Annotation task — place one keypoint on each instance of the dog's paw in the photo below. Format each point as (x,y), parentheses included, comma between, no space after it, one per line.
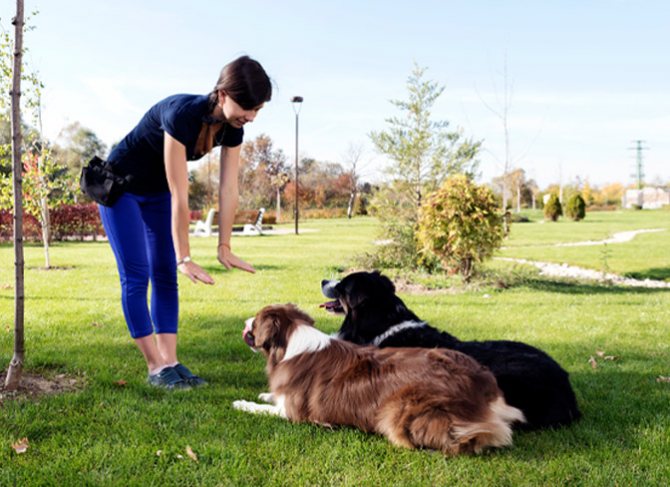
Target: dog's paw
(266,397)
(246,406)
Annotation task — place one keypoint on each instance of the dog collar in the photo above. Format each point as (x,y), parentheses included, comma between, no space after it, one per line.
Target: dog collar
(395,329)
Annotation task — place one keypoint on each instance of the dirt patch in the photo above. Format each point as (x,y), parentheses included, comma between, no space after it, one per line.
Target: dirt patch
(34,386)
(404,286)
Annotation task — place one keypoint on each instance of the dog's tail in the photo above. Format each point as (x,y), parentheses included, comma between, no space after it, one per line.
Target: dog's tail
(426,421)
(494,431)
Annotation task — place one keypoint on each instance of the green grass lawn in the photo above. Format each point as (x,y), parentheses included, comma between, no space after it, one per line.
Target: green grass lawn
(105,434)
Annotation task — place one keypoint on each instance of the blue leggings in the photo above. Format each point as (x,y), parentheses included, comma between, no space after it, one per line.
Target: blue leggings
(139,231)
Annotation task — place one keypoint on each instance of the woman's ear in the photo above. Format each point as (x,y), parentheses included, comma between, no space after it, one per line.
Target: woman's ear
(221,97)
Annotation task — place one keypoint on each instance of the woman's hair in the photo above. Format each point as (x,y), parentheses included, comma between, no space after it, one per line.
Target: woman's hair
(245,81)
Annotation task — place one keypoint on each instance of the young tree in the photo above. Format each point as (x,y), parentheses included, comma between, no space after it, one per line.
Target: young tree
(502,112)
(422,153)
(352,160)
(15,369)
(46,186)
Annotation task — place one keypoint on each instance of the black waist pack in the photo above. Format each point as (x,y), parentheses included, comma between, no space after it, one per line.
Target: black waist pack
(100,183)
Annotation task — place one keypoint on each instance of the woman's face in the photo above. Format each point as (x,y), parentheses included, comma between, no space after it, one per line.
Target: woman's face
(234,114)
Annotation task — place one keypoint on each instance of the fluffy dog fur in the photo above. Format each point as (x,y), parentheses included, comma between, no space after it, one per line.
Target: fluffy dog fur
(417,398)
(529,378)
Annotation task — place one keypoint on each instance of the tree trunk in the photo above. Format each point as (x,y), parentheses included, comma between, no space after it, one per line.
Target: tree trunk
(466,269)
(45,221)
(350,206)
(518,199)
(13,379)
(278,205)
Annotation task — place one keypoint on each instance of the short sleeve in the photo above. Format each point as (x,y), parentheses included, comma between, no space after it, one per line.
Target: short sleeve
(175,122)
(232,137)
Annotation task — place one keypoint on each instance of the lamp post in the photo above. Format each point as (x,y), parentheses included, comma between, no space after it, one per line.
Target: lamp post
(296,100)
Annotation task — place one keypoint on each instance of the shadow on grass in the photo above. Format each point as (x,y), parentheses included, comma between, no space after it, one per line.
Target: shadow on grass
(658,274)
(616,408)
(566,287)
(219,269)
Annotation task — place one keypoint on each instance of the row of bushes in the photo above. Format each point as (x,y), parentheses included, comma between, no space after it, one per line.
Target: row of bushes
(68,222)
(575,208)
(82,221)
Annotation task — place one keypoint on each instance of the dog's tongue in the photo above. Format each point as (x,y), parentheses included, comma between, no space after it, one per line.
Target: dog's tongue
(247,328)
(247,334)
(333,307)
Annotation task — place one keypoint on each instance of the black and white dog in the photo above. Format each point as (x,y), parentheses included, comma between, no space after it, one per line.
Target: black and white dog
(529,378)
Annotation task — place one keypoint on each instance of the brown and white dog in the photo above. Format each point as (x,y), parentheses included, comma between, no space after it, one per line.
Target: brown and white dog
(416,397)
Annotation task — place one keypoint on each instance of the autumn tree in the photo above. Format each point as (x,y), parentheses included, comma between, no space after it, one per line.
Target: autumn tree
(263,173)
(45,187)
(76,145)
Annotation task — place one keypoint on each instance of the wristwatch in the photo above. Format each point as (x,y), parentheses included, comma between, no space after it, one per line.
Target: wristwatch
(184,260)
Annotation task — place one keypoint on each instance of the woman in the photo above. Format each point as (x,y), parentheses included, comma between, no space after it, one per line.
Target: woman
(148,227)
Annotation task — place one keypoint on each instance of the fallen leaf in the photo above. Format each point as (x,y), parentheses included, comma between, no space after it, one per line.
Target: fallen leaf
(159,453)
(600,353)
(120,383)
(7,328)
(662,378)
(191,454)
(96,324)
(593,363)
(180,457)
(611,357)
(21,446)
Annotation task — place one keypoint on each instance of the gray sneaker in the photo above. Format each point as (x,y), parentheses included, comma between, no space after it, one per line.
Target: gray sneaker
(188,376)
(168,378)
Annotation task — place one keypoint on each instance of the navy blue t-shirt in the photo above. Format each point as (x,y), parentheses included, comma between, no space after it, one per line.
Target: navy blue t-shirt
(141,152)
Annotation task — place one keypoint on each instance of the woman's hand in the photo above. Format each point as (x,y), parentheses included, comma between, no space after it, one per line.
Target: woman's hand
(194,272)
(229,260)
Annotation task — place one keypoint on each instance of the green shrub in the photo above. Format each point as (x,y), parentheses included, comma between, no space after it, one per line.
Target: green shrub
(461,225)
(553,209)
(576,208)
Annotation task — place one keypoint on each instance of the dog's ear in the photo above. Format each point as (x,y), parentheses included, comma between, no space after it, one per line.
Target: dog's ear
(385,282)
(267,325)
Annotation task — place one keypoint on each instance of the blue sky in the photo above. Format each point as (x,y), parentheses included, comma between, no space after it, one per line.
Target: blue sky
(588,77)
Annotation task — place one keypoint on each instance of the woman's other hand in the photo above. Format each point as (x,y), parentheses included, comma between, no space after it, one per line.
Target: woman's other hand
(230,260)
(194,272)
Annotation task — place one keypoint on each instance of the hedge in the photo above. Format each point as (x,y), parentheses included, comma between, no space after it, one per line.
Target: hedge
(68,222)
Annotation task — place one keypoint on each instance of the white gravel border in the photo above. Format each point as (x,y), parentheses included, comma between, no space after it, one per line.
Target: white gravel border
(565,270)
(619,237)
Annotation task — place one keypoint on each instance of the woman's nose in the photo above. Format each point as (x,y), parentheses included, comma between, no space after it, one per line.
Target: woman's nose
(250,115)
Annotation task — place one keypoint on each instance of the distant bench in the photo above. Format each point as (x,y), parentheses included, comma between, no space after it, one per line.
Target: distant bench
(203,228)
